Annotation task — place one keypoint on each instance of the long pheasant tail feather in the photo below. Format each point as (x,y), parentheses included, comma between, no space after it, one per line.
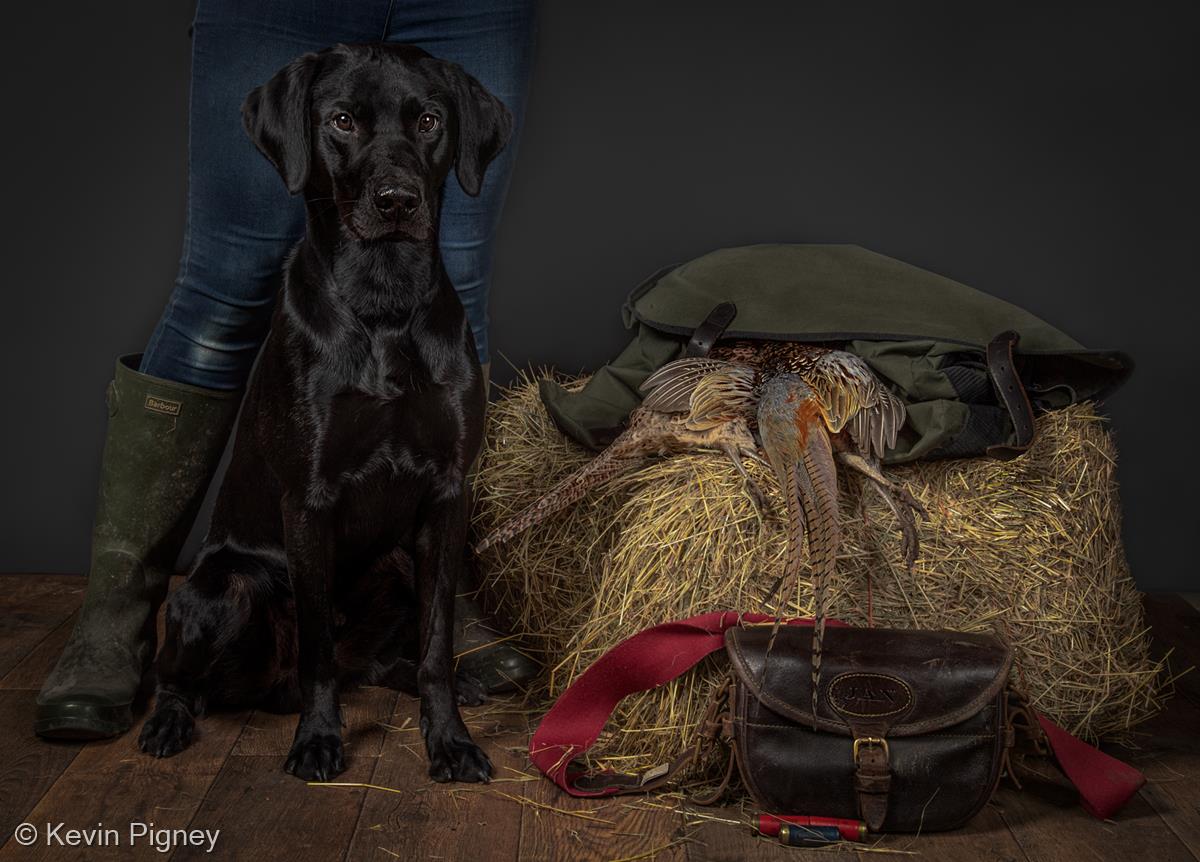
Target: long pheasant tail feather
(797,520)
(620,457)
(819,495)
(797,524)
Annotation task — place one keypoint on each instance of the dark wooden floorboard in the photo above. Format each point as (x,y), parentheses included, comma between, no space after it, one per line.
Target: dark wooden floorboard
(28,765)
(31,606)
(32,670)
(557,827)
(1167,748)
(232,780)
(1168,752)
(986,838)
(112,782)
(261,809)
(109,781)
(410,816)
(1056,829)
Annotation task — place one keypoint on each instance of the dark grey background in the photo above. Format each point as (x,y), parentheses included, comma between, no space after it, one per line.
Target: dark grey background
(1044,154)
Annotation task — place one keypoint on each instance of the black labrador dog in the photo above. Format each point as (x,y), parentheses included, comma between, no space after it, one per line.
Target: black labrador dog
(340,529)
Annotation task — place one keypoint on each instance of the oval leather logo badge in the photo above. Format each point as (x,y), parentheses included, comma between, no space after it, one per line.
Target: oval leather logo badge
(869,694)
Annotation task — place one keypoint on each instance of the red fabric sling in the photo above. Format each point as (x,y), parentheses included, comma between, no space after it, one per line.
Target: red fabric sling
(661,653)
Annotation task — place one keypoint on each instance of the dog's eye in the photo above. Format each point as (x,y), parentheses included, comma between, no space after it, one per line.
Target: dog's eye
(343,122)
(427,122)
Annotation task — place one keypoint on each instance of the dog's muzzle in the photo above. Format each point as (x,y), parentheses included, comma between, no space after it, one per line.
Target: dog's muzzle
(396,200)
(391,207)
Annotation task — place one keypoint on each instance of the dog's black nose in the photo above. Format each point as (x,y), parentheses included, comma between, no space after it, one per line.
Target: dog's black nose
(392,198)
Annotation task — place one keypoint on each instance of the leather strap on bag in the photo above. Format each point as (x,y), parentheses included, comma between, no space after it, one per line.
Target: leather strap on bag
(661,653)
(711,329)
(649,659)
(872,780)
(1002,369)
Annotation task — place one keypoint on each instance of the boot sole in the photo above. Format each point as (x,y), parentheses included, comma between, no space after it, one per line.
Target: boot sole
(82,721)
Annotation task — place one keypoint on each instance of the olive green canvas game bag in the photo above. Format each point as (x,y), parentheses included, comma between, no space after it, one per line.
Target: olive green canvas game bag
(970,368)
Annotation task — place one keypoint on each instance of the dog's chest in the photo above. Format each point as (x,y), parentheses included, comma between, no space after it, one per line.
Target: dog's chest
(391,423)
(389,367)
(382,458)
(414,426)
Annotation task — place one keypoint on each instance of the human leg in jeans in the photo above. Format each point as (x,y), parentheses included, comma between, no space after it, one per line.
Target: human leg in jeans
(170,412)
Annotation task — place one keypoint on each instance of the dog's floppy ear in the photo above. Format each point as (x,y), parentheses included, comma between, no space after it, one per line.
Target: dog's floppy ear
(484,126)
(276,118)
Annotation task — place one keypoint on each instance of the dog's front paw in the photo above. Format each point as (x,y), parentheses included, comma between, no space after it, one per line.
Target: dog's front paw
(316,757)
(454,757)
(168,731)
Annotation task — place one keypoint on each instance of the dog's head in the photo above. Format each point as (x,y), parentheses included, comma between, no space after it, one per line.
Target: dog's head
(375,129)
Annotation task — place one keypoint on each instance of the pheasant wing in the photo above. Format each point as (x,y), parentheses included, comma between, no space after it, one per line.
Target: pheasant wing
(852,397)
(711,391)
(669,389)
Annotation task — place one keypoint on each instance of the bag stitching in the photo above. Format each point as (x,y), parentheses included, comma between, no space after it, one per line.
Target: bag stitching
(912,729)
(912,700)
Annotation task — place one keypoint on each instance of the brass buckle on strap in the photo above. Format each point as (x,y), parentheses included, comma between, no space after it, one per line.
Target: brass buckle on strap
(871,740)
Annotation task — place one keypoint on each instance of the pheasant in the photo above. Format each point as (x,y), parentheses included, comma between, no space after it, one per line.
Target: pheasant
(811,407)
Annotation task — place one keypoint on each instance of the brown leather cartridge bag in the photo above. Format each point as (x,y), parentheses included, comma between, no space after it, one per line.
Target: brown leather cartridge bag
(910,734)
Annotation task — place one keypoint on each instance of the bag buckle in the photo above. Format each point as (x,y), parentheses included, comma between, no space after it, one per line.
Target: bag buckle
(871,740)
(872,781)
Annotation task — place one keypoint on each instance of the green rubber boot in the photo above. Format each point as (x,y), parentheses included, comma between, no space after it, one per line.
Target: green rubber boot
(481,649)
(484,652)
(163,445)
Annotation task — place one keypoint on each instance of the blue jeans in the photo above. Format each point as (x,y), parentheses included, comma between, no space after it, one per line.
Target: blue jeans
(241,222)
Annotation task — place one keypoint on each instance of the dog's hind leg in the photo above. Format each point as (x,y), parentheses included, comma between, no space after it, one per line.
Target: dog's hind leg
(205,618)
(441,537)
(387,601)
